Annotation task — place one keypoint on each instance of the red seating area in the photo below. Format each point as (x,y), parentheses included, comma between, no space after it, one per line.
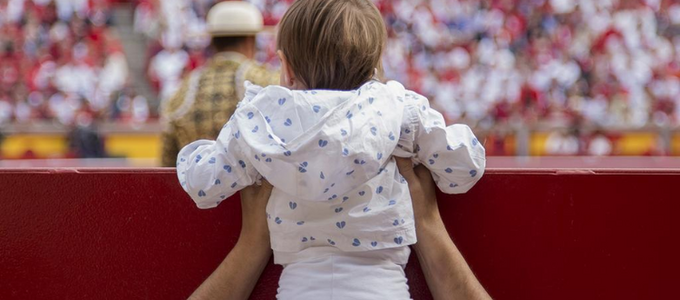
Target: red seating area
(128,234)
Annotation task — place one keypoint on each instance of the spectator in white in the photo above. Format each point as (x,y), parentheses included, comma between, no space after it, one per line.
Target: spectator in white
(562,142)
(76,76)
(599,145)
(168,66)
(113,77)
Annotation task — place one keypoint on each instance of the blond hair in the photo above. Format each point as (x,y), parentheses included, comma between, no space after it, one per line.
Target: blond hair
(333,44)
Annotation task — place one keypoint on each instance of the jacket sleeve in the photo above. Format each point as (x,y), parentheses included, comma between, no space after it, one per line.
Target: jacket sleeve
(211,171)
(453,154)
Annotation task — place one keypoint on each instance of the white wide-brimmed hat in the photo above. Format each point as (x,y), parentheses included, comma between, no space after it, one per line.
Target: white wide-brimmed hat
(234,18)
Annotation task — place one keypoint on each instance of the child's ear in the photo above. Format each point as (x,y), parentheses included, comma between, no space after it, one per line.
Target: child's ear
(287,76)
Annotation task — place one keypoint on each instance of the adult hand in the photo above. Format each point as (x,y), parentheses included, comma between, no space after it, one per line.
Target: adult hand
(447,274)
(237,275)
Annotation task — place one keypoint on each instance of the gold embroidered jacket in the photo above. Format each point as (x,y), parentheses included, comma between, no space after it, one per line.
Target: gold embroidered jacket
(206,100)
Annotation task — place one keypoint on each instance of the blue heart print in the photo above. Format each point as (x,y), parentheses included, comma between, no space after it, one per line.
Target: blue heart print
(398,240)
(370,100)
(448,147)
(198,158)
(331,242)
(292,205)
(322,176)
(218,182)
(374,243)
(242,163)
(201,193)
(337,210)
(182,159)
(250,115)
(395,223)
(349,173)
(233,185)
(300,223)
(366,209)
(379,156)
(448,170)
(379,190)
(268,119)
(359,162)
(431,161)
(473,173)
(345,199)
(345,152)
(360,106)
(288,122)
(303,167)
(435,155)
(268,159)
(424,108)
(391,136)
(287,153)
(475,142)
(362,193)
(212,160)
(343,132)
(257,157)
(278,220)
(326,190)
(349,115)
(323,143)
(316,108)
(374,131)
(340,225)
(282,101)
(227,168)
(356,243)
(304,239)
(237,134)
(256,129)
(392,202)
(453,185)
(311,238)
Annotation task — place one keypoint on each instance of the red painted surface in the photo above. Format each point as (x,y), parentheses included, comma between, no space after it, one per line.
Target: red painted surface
(134,234)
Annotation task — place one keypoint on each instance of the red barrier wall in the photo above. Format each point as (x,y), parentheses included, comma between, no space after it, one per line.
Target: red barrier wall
(134,234)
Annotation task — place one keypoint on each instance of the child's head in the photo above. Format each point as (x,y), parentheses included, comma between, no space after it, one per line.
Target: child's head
(330,44)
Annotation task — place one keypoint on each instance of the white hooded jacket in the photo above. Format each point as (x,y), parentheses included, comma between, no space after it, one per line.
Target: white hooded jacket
(329,156)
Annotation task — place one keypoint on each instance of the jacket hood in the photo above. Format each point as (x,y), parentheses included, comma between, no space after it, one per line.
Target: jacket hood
(318,145)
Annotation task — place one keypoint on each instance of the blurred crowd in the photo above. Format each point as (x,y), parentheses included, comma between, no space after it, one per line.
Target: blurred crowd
(62,61)
(489,63)
(493,64)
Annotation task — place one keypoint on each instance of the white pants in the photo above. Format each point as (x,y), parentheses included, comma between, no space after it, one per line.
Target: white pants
(340,277)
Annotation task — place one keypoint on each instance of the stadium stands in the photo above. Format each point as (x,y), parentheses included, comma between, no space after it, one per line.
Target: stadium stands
(601,63)
(553,77)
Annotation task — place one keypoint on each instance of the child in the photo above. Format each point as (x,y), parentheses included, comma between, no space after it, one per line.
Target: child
(339,215)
